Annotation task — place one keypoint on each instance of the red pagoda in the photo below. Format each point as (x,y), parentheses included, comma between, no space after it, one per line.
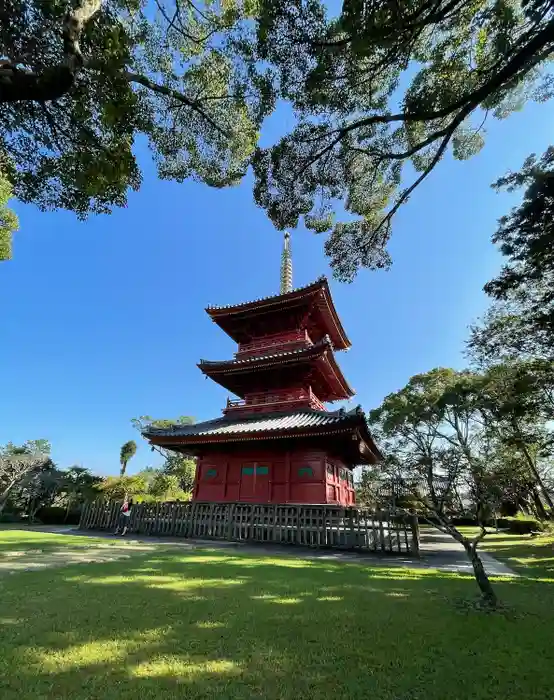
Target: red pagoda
(277,443)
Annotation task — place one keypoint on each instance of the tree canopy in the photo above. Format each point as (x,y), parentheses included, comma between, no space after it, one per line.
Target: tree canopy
(382,85)
(466,442)
(175,465)
(127,452)
(20,462)
(81,79)
(520,322)
(377,87)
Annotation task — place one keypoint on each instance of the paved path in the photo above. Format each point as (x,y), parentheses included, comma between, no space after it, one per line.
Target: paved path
(438,551)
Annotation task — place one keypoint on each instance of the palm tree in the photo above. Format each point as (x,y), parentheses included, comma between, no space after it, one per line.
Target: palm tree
(127,452)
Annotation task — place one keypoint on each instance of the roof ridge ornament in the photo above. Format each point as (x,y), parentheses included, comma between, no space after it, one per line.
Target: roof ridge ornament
(286,266)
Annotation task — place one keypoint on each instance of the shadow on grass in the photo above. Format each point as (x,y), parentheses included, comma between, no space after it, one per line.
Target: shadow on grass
(21,539)
(209,624)
(529,556)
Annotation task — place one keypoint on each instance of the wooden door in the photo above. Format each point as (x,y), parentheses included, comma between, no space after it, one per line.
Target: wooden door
(254,482)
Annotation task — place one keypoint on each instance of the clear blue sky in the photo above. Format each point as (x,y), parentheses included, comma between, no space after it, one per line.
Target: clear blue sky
(104,320)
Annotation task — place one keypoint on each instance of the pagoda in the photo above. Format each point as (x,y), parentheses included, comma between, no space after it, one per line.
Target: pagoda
(277,442)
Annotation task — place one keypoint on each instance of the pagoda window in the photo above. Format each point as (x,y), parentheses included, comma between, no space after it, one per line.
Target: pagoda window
(305,471)
(210,474)
(258,471)
(330,471)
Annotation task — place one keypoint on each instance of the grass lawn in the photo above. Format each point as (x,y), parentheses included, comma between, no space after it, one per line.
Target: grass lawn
(15,538)
(220,624)
(529,556)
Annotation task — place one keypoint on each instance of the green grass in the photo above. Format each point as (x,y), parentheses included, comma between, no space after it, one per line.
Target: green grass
(14,538)
(529,556)
(220,624)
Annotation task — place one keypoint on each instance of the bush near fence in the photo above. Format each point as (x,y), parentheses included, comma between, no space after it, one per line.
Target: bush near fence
(315,526)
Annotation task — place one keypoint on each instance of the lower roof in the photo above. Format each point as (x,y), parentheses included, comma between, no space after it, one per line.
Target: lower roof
(291,424)
(270,371)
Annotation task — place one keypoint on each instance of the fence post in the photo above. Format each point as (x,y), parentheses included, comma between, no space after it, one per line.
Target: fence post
(230,514)
(415,534)
(84,515)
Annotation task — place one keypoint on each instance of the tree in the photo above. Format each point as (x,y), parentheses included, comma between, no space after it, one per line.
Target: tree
(502,335)
(175,463)
(8,220)
(433,429)
(181,467)
(16,463)
(118,488)
(516,402)
(41,489)
(166,487)
(521,320)
(80,80)
(358,126)
(128,450)
(78,486)
(143,422)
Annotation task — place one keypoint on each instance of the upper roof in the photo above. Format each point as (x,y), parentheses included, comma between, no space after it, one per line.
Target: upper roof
(246,321)
(305,422)
(240,375)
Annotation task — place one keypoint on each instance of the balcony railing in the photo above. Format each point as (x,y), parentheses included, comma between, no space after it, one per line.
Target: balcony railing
(282,342)
(275,402)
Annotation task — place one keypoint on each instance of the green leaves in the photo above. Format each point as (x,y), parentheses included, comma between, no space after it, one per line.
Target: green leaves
(173,74)
(128,450)
(8,219)
(381,85)
(521,321)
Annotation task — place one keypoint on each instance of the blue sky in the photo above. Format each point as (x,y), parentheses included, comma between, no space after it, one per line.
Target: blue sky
(104,320)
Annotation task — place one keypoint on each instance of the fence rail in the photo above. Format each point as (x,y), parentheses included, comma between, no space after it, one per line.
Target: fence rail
(314,526)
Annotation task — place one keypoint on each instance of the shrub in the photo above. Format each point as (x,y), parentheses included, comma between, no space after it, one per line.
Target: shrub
(55,515)
(522,525)
(10,518)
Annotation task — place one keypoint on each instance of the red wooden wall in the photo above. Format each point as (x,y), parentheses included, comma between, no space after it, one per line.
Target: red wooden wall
(298,476)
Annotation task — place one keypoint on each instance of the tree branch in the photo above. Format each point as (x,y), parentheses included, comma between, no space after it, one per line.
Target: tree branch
(471,100)
(74,23)
(55,81)
(175,94)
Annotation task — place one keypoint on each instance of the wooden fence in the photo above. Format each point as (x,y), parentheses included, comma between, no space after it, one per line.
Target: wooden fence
(314,526)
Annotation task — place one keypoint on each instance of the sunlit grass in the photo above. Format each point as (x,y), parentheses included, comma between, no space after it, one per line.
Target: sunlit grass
(531,556)
(208,624)
(18,539)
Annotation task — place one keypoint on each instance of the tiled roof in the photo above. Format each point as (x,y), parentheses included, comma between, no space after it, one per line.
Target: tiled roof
(317,283)
(298,420)
(320,346)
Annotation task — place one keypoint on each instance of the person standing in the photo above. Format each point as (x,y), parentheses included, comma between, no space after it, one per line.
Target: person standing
(124,517)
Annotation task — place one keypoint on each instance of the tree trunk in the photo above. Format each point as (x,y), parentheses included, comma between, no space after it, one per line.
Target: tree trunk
(67,509)
(540,511)
(532,466)
(34,511)
(488,595)
(487,592)
(5,494)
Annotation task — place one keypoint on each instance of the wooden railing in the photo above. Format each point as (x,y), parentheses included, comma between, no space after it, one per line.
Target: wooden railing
(281,401)
(314,526)
(272,344)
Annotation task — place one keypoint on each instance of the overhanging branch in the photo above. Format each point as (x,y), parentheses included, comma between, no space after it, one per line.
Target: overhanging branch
(175,94)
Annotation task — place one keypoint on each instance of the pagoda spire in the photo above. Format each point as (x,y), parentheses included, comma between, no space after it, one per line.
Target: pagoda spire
(286,266)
